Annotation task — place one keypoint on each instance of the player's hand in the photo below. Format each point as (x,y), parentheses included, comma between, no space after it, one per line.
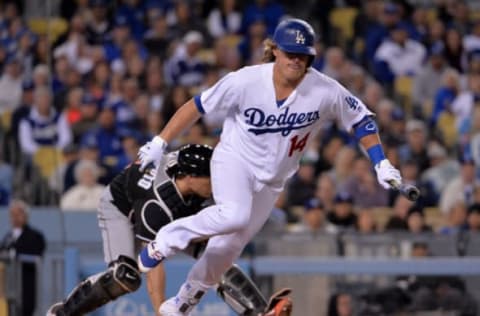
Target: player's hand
(152,152)
(386,172)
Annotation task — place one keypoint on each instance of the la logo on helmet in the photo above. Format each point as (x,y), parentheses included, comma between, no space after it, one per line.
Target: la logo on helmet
(299,39)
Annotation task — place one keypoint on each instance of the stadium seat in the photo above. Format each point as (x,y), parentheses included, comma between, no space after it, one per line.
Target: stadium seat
(3,306)
(5,120)
(446,126)
(474,15)
(53,27)
(381,215)
(342,20)
(432,14)
(232,40)
(434,218)
(403,87)
(47,159)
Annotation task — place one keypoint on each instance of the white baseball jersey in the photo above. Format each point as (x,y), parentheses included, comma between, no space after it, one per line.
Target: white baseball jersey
(269,137)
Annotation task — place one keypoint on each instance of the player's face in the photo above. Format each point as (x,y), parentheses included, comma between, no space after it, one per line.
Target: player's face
(292,66)
(201,186)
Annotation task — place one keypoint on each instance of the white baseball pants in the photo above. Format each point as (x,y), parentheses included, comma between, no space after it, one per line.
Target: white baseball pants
(242,207)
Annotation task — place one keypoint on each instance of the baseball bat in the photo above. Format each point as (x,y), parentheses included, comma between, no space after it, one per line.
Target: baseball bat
(411,192)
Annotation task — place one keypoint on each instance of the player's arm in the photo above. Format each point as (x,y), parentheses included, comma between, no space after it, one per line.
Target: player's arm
(184,118)
(156,285)
(366,133)
(153,151)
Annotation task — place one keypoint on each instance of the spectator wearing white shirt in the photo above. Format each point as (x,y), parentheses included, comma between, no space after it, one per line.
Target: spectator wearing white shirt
(463,104)
(185,67)
(398,55)
(471,42)
(44,126)
(11,86)
(86,193)
(224,20)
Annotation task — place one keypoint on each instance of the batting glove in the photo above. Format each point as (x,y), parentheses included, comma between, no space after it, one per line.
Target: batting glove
(386,172)
(152,152)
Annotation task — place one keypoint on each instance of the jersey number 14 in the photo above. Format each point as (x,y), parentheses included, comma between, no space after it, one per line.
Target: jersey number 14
(297,144)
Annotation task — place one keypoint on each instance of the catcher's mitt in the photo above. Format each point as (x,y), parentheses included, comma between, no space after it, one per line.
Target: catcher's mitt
(279,304)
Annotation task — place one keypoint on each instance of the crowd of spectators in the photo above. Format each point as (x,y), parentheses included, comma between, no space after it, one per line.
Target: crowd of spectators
(99,90)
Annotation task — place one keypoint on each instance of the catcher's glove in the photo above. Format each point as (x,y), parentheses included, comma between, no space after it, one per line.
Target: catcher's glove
(279,304)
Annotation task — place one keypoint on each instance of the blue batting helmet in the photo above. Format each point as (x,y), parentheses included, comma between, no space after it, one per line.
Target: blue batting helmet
(295,36)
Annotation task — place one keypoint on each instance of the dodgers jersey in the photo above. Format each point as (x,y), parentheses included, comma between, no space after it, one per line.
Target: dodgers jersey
(271,138)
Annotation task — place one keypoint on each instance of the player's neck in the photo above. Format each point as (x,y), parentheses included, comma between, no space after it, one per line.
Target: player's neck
(283,86)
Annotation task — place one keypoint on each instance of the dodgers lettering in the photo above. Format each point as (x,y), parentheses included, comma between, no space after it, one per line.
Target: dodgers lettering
(284,123)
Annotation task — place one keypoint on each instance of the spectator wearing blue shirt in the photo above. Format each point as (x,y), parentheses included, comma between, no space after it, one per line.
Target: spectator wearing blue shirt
(251,46)
(119,35)
(376,33)
(445,95)
(131,140)
(106,138)
(266,10)
(134,13)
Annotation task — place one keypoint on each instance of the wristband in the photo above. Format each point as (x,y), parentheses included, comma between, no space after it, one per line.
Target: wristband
(376,154)
(160,141)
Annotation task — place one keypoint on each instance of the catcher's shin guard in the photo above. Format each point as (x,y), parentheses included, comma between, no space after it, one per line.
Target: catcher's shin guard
(121,278)
(240,293)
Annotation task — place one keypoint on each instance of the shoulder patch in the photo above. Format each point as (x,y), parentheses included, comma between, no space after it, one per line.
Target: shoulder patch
(352,103)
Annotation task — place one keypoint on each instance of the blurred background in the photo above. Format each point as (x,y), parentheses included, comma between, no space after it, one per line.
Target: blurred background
(84,83)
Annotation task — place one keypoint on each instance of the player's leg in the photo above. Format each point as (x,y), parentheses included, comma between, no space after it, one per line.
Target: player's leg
(120,278)
(219,255)
(116,229)
(231,213)
(122,275)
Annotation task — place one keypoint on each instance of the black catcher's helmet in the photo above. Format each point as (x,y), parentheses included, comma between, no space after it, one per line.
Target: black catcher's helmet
(194,160)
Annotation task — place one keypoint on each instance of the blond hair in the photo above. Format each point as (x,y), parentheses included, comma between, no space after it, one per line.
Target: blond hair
(268,47)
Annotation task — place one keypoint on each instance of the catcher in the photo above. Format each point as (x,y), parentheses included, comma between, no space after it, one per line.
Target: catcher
(133,207)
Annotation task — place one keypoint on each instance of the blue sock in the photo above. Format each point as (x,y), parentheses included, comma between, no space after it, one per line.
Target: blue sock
(148,261)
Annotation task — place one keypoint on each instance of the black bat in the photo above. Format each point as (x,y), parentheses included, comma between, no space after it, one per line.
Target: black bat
(411,192)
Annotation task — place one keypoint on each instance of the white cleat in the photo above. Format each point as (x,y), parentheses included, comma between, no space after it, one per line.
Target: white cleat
(171,307)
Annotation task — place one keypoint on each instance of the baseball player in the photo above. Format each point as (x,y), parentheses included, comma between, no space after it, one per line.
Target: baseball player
(137,204)
(274,110)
